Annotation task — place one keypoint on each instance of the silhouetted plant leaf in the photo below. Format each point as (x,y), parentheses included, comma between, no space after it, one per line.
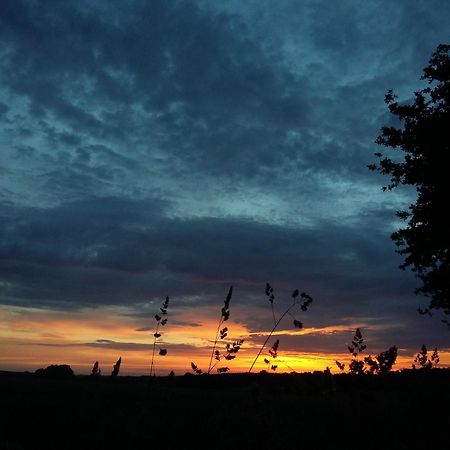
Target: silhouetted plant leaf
(163,352)
(295,293)
(197,370)
(298,324)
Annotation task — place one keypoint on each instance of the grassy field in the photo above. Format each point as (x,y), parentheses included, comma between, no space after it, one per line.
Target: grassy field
(232,411)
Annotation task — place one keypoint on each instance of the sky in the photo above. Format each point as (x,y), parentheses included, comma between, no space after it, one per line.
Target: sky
(177,148)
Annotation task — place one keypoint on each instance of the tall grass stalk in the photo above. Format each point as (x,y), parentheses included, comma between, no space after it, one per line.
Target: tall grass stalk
(225,314)
(296,302)
(159,322)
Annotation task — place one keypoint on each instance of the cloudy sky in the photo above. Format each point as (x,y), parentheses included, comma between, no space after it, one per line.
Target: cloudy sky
(153,148)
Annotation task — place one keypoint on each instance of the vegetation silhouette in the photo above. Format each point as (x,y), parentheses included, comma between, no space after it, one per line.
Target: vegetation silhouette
(383,362)
(423,362)
(55,371)
(231,348)
(224,316)
(96,371)
(380,365)
(160,321)
(303,302)
(424,140)
(116,368)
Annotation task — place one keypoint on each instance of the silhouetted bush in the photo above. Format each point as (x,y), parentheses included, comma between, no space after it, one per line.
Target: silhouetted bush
(55,371)
(96,371)
(116,368)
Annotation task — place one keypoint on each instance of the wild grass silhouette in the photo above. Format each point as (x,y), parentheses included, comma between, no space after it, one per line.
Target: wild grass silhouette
(303,302)
(230,349)
(224,316)
(161,320)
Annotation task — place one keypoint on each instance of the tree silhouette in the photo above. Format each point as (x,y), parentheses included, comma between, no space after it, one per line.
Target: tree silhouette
(424,140)
(96,371)
(421,361)
(382,363)
(116,367)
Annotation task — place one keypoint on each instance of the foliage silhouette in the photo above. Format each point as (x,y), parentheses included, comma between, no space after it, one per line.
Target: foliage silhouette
(55,371)
(356,366)
(230,351)
(379,365)
(424,139)
(423,362)
(160,321)
(383,362)
(196,369)
(435,357)
(304,301)
(116,368)
(273,353)
(96,371)
(224,316)
(231,348)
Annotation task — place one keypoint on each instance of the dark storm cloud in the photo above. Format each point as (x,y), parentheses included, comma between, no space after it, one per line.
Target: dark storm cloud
(83,251)
(211,92)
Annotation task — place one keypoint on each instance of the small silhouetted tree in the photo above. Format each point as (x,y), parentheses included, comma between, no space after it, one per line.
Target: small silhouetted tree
(421,360)
(116,368)
(435,357)
(383,362)
(386,360)
(55,371)
(424,139)
(96,371)
(356,366)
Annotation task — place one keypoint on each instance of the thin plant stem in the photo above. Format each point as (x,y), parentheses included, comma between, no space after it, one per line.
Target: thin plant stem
(215,344)
(273,313)
(270,335)
(152,370)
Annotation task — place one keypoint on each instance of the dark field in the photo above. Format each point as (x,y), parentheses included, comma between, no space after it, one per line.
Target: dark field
(233,411)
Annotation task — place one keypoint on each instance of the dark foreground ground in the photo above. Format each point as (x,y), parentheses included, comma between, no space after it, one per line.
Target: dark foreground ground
(405,410)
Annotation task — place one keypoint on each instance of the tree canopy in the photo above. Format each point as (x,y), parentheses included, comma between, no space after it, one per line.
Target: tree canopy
(424,138)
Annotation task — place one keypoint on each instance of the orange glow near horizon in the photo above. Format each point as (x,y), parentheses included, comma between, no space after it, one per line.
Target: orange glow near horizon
(33,338)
